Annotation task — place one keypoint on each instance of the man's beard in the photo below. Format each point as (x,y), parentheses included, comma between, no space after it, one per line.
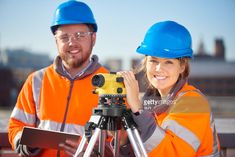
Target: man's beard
(72,63)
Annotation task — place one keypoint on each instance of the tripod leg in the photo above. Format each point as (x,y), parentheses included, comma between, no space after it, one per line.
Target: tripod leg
(117,143)
(102,142)
(92,142)
(133,135)
(133,143)
(81,146)
(140,143)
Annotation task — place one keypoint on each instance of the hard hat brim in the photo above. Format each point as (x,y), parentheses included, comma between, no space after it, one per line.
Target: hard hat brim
(165,53)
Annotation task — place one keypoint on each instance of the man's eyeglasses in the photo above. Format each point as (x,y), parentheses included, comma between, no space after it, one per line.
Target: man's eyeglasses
(78,36)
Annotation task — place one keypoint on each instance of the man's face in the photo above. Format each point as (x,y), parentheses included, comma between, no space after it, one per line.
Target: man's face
(75,43)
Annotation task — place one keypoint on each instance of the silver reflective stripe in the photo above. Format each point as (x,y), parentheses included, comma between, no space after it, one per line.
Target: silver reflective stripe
(183,133)
(213,155)
(17,138)
(70,128)
(36,87)
(215,149)
(184,92)
(22,116)
(155,139)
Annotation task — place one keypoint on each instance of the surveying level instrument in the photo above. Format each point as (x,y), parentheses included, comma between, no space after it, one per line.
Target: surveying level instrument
(111,114)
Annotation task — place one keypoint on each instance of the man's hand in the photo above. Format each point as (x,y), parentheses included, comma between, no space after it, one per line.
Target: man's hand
(123,136)
(70,146)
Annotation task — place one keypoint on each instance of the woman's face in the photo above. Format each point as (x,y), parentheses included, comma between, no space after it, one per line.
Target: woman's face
(163,73)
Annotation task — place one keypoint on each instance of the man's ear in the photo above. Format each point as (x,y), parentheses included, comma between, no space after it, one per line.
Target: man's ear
(93,38)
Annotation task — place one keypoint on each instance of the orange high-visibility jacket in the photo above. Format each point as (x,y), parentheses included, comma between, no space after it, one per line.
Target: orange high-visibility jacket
(43,99)
(185,129)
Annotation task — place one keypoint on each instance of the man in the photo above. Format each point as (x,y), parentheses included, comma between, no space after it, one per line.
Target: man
(59,96)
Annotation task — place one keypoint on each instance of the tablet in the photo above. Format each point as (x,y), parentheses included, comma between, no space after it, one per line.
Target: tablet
(39,138)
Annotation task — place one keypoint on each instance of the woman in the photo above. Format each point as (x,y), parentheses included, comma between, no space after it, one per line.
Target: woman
(174,117)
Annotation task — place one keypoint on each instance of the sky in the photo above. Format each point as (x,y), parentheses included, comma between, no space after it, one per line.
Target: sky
(122,24)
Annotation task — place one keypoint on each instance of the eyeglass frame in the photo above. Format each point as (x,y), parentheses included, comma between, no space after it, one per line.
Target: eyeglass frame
(77,36)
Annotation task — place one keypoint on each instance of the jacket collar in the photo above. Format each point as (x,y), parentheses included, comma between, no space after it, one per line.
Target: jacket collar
(163,105)
(175,90)
(88,71)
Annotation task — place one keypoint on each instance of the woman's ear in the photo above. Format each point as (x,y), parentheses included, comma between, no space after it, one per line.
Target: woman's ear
(182,68)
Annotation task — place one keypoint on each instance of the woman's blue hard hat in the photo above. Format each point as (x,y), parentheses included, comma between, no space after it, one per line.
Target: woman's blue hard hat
(167,39)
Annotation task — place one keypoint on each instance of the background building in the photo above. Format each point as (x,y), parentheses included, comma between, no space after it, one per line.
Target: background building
(15,66)
(113,64)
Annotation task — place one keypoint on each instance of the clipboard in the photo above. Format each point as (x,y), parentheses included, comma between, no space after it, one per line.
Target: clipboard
(39,138)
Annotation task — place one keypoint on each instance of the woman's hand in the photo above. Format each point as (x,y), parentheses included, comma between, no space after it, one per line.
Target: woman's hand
(132,89)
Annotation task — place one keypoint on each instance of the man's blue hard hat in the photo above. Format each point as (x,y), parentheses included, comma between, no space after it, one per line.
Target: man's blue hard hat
(73,12)
(167,39)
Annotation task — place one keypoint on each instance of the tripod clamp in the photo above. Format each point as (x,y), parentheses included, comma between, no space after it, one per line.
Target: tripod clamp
(128,121)
(88,129)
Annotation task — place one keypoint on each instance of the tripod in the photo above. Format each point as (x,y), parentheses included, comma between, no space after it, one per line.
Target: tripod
(111,114)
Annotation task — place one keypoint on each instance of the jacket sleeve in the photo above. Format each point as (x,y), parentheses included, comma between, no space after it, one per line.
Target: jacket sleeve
(23,114)
(182,131)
